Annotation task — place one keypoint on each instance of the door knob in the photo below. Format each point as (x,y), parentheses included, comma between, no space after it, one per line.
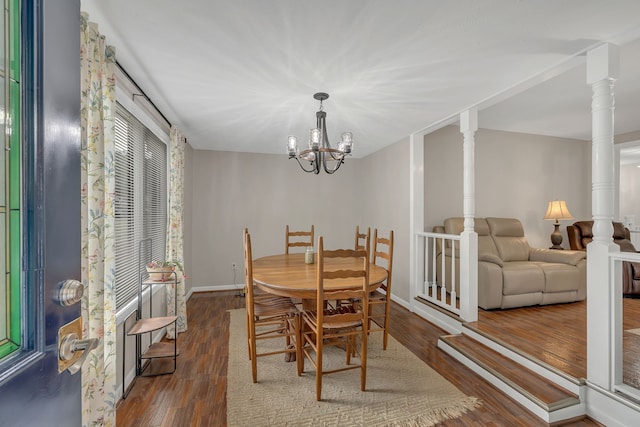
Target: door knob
(68,292)
(71,345)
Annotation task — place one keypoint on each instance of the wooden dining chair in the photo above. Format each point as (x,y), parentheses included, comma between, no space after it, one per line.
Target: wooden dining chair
(361,242)
(362,238)
(268,317)
(298,239)
(379,302)
(340,326)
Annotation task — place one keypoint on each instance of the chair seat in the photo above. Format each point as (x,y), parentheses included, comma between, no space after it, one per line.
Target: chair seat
(377,297)
(272,305)
(271,299)
(312,317)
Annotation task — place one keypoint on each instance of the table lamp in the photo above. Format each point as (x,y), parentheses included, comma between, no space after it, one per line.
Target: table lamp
(557,210)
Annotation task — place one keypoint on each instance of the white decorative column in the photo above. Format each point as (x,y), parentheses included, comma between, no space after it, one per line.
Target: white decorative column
(469,238)
(602,70)
(416,208)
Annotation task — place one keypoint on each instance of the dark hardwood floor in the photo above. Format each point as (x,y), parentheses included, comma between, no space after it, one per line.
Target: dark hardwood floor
(195,395)
(557,335)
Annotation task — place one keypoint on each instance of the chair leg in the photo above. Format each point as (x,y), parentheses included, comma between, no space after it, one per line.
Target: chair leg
(363,363)
(287,331)
(253,357)
(248,336)
(299,344)
(386,325)
(318,367)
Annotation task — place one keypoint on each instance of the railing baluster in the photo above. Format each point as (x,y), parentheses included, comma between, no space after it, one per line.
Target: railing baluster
(432,291)
(443,280)
(427,273)
(454,303)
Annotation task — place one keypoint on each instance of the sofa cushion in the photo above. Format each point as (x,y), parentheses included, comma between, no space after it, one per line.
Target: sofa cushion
(456,226)
(508,236)
(559,277)
(522,277)
(486,248)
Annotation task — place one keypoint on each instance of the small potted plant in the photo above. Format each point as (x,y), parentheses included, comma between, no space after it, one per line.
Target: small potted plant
(162,271)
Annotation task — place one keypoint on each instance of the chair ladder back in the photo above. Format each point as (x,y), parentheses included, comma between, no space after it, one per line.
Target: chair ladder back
(362,238)
(296,238)
(387,254)
(323,275)
(248,272)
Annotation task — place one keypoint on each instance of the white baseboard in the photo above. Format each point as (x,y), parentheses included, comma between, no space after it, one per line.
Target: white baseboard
(212,288)
(400,301)
(609,408)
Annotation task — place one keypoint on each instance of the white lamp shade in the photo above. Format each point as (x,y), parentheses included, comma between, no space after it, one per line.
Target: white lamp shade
(314,138)
(558,210)
(292,145)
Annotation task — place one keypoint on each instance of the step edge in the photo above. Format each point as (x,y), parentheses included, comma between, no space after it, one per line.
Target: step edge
(577,381)
(572,399)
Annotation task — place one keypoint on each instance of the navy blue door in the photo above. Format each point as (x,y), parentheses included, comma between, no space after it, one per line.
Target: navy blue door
(32,391)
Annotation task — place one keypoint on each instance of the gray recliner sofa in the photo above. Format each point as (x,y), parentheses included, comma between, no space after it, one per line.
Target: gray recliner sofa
(510,272)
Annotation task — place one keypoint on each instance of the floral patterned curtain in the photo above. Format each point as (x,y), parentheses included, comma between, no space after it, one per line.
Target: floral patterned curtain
(175,250)
(97,61)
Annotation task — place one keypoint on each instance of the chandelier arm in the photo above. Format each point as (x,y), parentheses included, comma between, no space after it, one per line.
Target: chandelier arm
(313,169)
(327,145)
(323,125)
(330,171)
(339,158)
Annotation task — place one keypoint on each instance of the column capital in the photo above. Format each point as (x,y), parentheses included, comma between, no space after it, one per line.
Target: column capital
(603,62)
(469,120)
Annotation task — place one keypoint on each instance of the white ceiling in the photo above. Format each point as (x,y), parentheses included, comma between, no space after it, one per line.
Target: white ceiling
(239,75)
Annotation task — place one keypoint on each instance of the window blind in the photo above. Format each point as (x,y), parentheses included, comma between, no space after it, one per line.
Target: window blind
(140,201)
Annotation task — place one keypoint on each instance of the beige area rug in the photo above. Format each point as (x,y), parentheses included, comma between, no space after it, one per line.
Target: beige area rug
(634,331)
(401,389)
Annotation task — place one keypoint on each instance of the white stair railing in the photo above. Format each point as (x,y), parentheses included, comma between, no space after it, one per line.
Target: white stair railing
(447,272)
(438,270)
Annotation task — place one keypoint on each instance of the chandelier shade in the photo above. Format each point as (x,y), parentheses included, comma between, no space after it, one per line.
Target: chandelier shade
(320,154)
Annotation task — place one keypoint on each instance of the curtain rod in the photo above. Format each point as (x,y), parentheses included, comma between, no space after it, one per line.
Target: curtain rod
(142,93)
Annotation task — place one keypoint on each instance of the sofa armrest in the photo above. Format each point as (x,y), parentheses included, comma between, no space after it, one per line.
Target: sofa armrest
(490,284)
(554,255)
(489,257)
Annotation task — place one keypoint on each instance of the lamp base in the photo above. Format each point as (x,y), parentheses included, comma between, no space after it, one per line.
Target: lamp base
(556,236)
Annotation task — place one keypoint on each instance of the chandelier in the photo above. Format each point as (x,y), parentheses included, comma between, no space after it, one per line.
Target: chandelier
(320,153)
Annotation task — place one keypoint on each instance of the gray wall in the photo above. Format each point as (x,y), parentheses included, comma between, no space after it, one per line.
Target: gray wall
(265,192)
(386,173)
(516,176)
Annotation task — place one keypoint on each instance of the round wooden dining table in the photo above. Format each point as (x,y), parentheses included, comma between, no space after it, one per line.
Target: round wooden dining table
(289,276)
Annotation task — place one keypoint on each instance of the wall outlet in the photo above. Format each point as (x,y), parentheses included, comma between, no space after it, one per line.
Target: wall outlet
(233,265)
